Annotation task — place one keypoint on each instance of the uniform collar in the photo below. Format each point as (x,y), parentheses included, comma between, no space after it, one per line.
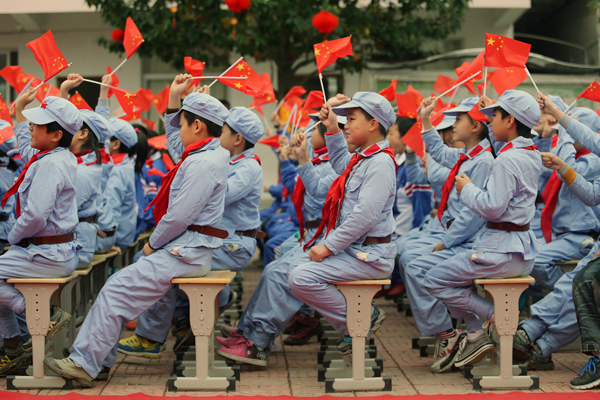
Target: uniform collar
(374,148)
(481,146)
(245,154)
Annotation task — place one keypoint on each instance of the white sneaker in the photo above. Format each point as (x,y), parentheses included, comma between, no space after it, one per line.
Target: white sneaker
(446,351)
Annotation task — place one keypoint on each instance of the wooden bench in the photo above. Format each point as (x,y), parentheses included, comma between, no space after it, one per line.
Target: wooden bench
(359,295)
(203,293)
(505,294)
(39,293)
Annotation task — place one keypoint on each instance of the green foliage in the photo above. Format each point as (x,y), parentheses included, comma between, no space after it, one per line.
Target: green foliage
(282,31)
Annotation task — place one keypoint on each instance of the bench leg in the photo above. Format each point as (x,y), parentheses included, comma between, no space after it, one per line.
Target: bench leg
(37,300)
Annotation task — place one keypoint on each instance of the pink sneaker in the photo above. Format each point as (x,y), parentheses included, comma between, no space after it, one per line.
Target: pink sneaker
(245,352)
(227,330)
(231,341)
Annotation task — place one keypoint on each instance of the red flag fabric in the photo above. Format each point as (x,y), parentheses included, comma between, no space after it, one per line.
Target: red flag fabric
(241,69)
(272,141)
(295,91)
(390,92)
(115,81)
(161,100)
(5,112)
(15,77)
(149,123)
(505,52)
(413,137)
(49,90)
(79,102)
(48,55)
(314,101)
(508,78)
(592,92)
(6,134)
(143,99)
(132,39)
(469,69)
(443,83)
(194,67)
(326,53)
(409,102)
(126,101)
(158,142)
(258,108)
(262,90)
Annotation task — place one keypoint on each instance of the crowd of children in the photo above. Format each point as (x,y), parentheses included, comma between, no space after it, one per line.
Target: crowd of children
(505,189)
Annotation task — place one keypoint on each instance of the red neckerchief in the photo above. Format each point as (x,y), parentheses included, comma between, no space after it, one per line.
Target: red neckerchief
(169,164)
(161,201)
(300,189)
(554,141)
(550,196)
(449,184)
(118,158)
(150,163)
(15,187)
(81,154)
(335,195)
(105,157)
(255,157)
(510,146)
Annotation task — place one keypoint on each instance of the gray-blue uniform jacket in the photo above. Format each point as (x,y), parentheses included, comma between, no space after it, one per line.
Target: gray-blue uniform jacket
(87,195)
(120,197)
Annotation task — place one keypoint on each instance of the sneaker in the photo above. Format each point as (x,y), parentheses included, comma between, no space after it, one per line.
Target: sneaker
(521,345)
(226,330)
(232,299)
(536,361)
(188,340)
(245,352)
(11,360)
(588,377)
(306,327)
(58,320)
(181,326)
(69,369)
(344,345)
(233,340)
(139,346)
(292,325)
(473,351)
(446,352)
(103,374)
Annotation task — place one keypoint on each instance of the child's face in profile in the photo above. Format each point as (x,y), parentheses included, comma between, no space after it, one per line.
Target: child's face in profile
(41,139)
(395,139)
(357,127)
(464,128)
(189,133)
(499,127)
(228,139)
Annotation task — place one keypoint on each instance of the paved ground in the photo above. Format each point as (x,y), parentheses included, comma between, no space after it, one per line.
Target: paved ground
(293,370)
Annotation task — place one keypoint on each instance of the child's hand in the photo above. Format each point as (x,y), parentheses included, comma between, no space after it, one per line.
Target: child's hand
(484,102)
(147,250)
(180,84)
(427,107)
(438,247)
(329,119)
(548,107)
(461,181)
(107,80)
(547,130)
(318,253)
(275,119)
(338,100)
(72,81)
(552,161)
(203,89)
(117,249)
(25,99)
(300,147)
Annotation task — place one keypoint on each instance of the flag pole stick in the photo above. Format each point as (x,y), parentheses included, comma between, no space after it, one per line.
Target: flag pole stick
(112,87)
(26,87)
(453,95)
(227,70)
(532,81)
(457,85)
(571,105)
(220,77)
(313,126)
(292,114)
(322,87)
(279,105)
(485,70)
(118,66)
(36,88)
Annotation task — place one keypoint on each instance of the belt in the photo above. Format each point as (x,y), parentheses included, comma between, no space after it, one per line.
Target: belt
(209,231)
(253,233)
(67,237)
(449,223)
(594,235)
(507,226)
(4,217)
(377,240)
(92,220)
(314,224)
(110,233)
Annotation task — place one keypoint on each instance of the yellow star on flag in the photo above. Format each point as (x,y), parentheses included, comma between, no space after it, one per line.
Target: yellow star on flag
(240,67)
(238,85)
(491,41)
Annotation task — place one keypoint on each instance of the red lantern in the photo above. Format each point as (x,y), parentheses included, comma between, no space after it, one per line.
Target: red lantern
(238,5)
(117,35)
(325,22)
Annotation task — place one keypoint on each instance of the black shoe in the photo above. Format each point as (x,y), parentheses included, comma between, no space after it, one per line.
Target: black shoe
(536,361)
(103,374)
(521,345)
(11,360)
(588,377)
(306,327)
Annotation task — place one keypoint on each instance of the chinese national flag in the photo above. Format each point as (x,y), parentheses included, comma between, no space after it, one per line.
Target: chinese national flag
(469,69)
(408,103)
(5,112)
(79,102)
(413,137)
(48,55)
(314,100)
(15,77)
(286,108)
(161,100)
(257,108)
(390,92)
(295,91)
(143,99)
(6,134)
(443,83)
(591,93)
(193,67)
(44,90)
(126,101)
(132,39)
(502,52)
(115,81)
(150,124)
(158,142)
(508,78)
(241,69)
(327,53)
(264,94)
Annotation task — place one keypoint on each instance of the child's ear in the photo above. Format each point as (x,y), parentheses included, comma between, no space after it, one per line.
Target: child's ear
(56,136)
(239,139)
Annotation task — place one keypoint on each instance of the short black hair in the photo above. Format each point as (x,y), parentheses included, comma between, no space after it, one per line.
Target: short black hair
(225,103)
(522,129)
(484,134)
(213,129)
(130,151)
(248,145)
(92,143)
(67,137)
(369,117)
(404,124)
